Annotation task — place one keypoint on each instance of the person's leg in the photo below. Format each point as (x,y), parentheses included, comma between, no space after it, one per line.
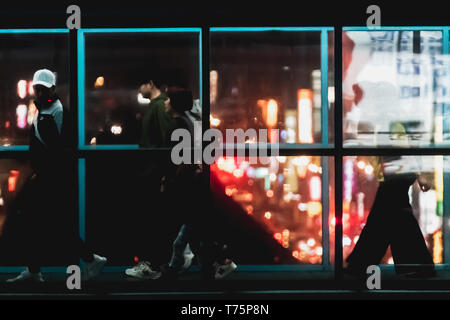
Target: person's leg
(153,225)
(34,266)
(203,247)
(409,250)
(83,250)
(408,246)
(37,216)
(206,259)
(32,239)
(373,241)
(179,246)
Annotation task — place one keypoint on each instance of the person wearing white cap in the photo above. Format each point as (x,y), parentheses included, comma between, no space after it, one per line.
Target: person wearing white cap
(46,191)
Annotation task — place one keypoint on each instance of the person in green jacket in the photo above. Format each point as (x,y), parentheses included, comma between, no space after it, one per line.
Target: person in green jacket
(155,125)
(155,121)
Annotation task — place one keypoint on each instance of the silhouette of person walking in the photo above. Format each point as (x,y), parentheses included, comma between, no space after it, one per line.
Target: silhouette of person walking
(391,223)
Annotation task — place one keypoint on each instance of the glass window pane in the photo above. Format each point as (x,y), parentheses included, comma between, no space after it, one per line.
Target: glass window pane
(21,55)
(268,80)
(382,197)
(24,222)
(282,199)
(266,214)
(395,88)
(117,64)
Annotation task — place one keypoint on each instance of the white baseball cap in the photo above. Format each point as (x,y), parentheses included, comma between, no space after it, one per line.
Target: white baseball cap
(44,77)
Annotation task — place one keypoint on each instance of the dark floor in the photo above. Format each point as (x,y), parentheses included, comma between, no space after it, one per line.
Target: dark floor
(238,285)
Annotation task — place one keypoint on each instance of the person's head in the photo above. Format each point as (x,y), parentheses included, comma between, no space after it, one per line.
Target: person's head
(178,101)
(44,85)
(151,89)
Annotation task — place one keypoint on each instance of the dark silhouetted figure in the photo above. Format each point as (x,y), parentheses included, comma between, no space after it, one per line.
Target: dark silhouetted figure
(46,194)
(391,223)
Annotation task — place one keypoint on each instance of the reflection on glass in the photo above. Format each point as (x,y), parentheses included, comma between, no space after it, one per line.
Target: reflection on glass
(331,93)
(118,64)
(20,56)
(267,80)
(13,174)
(395,88)
(361,176)
(284,197)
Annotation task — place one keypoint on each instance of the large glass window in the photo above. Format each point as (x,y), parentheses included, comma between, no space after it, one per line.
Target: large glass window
(20,217)
(395,88)
(277,78)
(269,214)
(114,64)
(284,199)
(395,94)
(272,79)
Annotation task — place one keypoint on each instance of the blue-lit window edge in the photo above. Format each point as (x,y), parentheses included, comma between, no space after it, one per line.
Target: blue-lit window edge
(139,30)
(246,146)
(256,29)
(25,31)
(245,268)
(110,147)
(15,148)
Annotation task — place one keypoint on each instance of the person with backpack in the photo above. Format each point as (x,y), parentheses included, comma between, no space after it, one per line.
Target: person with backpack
(184,183)
(48,189)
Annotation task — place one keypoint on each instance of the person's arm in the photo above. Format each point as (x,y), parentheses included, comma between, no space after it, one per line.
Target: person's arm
(424,179)
(163,119)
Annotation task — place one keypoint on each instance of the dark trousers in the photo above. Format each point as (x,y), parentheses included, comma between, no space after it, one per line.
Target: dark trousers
(391,222)
(156,227)
(44,202)
(193,207)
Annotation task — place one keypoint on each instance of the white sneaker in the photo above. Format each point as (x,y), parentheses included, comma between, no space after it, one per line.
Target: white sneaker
(188,257)
(222,270)
(26,275)
(143,270)
(94,268)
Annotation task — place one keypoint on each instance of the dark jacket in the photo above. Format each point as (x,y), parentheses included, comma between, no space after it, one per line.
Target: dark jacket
(47,143)
(180,176)
(155,123)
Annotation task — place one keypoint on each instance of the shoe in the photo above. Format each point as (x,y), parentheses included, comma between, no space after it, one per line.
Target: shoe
(222,270)
(94,268)
(143,270)
(188,257)
(26,275)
